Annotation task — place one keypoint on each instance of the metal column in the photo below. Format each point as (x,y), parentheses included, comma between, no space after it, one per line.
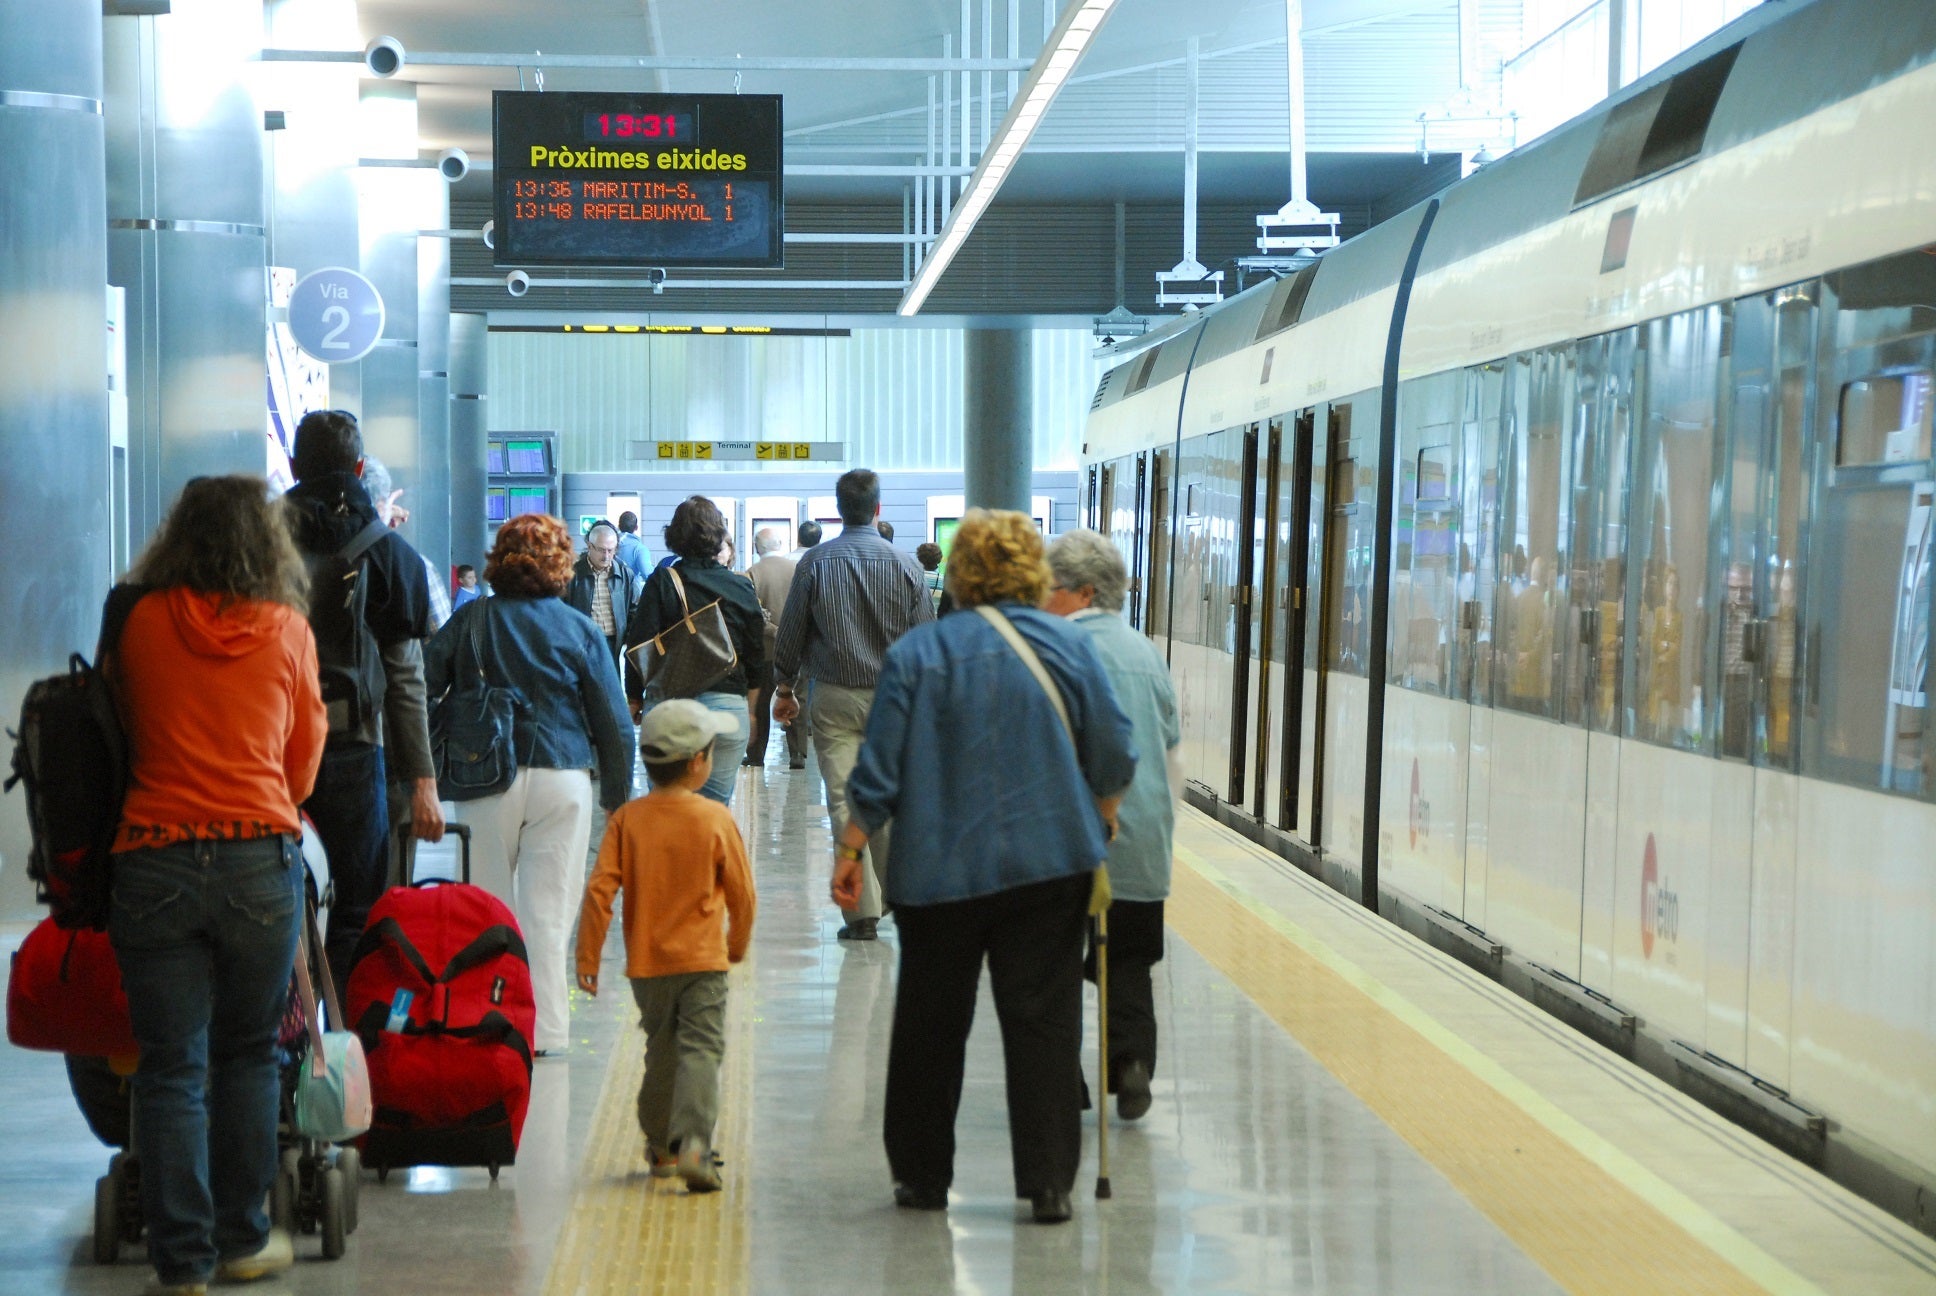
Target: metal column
(55,529)
(469,419)
(998,440)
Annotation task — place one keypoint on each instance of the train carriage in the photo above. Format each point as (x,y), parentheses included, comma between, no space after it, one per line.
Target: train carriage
(1557,559)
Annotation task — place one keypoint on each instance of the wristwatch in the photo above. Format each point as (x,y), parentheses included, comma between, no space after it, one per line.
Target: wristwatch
(846,852)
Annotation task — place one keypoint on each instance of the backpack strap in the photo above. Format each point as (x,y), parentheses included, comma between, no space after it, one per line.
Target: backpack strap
(114,617)
(360,542)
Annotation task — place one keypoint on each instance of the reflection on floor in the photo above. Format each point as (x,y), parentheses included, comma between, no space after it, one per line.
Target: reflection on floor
(1263,1167)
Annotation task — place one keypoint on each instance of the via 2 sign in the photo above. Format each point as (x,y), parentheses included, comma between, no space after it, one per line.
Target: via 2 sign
(336,315)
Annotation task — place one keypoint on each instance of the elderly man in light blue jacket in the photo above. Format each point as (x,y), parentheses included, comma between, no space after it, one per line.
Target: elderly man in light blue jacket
(1089,580)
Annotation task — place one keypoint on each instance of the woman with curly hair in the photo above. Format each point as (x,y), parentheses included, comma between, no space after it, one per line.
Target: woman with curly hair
(1003,795)
(697,538)
(217,685)
(529,841)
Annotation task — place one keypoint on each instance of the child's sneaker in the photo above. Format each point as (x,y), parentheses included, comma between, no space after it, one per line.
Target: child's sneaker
(696,1166)
(664,1164)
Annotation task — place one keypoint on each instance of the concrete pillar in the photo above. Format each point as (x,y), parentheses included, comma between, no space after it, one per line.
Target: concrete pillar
(55,530)
(469,370)
(186,240)
(997,450)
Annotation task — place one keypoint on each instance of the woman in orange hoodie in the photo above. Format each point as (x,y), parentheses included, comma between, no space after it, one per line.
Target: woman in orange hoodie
(217,680)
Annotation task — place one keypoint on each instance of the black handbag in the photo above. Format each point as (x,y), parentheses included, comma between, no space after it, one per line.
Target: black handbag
(471,730)
(690,655)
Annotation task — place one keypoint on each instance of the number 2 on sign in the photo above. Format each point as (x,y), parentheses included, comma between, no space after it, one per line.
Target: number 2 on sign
(341,319)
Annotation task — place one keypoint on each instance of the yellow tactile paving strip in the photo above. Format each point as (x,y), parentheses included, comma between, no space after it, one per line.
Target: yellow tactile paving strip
(630,1233)
(1568,1202)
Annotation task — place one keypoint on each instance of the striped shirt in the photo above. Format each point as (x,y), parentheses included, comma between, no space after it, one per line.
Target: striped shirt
(852,597)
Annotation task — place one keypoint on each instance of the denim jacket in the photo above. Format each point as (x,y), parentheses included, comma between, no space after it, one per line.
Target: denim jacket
(965,753)
(560,664)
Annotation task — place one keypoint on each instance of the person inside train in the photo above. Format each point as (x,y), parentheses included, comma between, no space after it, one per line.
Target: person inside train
(1530,678)
(529,841)
(1088,580)
(1001,813)
(225,720)
(697,537)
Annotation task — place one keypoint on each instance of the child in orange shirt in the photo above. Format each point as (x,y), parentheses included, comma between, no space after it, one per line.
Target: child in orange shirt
(682,864)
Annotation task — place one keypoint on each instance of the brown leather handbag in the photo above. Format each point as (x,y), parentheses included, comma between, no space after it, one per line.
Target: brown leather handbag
(690,655)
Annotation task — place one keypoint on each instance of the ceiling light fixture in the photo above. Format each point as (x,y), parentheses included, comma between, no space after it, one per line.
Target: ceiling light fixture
(1060,54)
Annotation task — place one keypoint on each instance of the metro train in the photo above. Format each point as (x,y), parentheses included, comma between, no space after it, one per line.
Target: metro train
(1553,563)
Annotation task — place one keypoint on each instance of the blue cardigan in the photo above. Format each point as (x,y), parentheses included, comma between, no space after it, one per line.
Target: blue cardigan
(965,754)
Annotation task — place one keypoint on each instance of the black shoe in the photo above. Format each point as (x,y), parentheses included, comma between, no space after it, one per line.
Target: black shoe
(1051,1207)
(860,929)
(794,765)
(1133,1091)
(755,764)
(908,1197)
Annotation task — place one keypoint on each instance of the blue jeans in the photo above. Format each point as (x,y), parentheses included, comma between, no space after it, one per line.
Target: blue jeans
(206,936)
(728,749)
(351,810)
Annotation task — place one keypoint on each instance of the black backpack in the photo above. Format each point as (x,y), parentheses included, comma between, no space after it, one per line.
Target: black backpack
(71,752)
(346,651)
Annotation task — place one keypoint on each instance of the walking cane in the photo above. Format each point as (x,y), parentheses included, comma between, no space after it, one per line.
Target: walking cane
(1099,898)
(1103,1192)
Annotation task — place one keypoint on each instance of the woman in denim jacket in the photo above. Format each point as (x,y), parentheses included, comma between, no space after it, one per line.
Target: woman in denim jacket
(529,841)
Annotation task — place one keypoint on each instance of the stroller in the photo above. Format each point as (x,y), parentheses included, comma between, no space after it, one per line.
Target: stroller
(315,1188)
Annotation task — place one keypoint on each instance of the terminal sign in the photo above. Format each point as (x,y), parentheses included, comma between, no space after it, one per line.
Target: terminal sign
(758,451)
(637,179)
(336,315)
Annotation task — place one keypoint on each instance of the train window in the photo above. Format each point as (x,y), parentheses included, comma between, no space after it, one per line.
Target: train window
(1662,126)
(1139,372)
(1598,584)
(1287,303)
(1162,472)
(1424,576)
(1478,583)
(1673,495)
(1540,400)
(1348,549)
(1884,419)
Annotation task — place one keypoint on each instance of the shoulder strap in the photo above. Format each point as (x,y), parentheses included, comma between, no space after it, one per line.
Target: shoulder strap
(360,542)
(114,617)
(679,586)
(1006,629)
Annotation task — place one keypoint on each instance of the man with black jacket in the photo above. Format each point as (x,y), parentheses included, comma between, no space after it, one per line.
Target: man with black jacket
(604,589)
(329,509)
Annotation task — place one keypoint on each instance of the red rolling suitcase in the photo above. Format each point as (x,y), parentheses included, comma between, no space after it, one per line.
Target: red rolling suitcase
(440,992)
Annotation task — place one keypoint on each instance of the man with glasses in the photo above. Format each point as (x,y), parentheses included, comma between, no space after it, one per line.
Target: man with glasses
(603,588)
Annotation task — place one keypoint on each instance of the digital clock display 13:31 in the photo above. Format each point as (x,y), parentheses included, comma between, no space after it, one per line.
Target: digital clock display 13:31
(671,126)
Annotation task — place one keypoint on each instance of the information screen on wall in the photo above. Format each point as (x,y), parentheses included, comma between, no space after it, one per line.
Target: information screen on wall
(637,180)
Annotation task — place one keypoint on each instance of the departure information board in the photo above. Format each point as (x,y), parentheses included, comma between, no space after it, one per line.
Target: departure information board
(637,180)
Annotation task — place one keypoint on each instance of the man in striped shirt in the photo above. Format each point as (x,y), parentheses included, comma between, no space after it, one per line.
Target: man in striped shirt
(852,597)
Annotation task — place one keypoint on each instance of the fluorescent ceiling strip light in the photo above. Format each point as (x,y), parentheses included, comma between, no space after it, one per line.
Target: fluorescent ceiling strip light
(1060,54)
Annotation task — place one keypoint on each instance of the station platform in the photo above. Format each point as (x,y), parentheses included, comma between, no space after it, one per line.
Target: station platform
(1338,1109)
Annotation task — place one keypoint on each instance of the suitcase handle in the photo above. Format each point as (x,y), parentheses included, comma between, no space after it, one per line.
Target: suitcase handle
(404,852)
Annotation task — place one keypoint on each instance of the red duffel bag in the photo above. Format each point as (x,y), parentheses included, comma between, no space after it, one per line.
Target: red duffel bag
(65,994)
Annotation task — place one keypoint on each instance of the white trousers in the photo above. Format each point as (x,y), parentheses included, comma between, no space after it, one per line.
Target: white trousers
(528,847)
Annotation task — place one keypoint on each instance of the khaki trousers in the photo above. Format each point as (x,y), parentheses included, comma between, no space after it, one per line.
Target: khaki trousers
(838,717)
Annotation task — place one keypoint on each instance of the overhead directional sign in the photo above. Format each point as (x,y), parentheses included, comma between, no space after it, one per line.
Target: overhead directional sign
(757,451)
(336,315)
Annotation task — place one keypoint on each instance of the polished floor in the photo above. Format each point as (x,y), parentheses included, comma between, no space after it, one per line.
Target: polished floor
(1338,1110)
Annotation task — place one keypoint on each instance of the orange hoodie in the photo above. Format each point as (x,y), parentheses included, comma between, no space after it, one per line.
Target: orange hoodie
(683,865)
(224,715)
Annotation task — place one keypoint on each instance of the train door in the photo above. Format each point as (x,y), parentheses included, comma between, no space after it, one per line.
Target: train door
(1270,606)
(1596,623)
(1348,516)
(1094,493)
(1160,540)
(1535,819)
(1128,530)
(1482,406)
(1214,526)
(1248,536)
(1300,484)
(1751,893)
